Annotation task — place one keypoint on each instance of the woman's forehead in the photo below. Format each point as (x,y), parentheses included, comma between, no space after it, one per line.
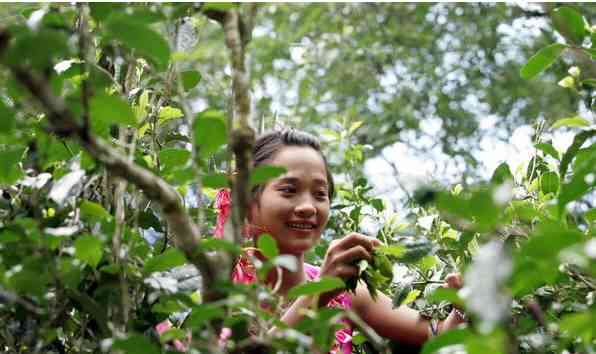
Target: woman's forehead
(300,160)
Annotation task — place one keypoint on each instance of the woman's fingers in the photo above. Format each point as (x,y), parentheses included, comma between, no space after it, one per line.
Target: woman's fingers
(343,253)
(355,239)
(346,271)
(353,254)
(453,281)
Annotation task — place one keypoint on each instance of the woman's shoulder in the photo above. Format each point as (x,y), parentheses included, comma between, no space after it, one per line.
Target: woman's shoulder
(342,300)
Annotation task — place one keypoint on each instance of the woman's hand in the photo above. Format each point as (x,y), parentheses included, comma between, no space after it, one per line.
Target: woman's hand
(342,256)
(453,281)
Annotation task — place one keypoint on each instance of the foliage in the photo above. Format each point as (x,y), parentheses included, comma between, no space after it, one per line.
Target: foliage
(86,258)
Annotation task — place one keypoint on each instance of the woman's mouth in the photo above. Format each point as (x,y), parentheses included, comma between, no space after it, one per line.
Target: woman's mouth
(301,226)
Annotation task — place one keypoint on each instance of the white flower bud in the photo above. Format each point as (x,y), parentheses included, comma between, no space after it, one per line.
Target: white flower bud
(567,82)
(574,71)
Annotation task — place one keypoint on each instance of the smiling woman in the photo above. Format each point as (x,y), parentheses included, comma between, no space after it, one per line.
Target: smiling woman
(294,209)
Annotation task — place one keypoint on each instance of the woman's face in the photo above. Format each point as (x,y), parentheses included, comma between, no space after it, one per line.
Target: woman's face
(294,207)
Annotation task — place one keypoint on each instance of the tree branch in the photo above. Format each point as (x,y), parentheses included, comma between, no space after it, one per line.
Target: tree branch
(187,235)
(242,136)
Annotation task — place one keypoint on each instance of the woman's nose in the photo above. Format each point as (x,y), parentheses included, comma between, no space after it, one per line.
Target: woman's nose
(306,208)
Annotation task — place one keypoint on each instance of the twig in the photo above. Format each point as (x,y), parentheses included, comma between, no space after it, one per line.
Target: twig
(118,256)
(6,296)
(83,54)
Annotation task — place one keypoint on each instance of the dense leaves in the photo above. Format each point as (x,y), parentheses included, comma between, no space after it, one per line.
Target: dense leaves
(89,263)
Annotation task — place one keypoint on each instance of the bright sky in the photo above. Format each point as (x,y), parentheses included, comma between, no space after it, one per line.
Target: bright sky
(415,169)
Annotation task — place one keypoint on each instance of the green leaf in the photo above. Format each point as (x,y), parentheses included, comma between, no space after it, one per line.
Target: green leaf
(7,121)
(93,211)
(168,113)
(539,255)
(30,281)
(106,110)
(544,58)
(548,149)
(202,314)
(590,82)
(579,325)
(101,10)
(478,207)
(216,244)
(217,180)
(40,49)
(411,297)
(549,183)
(451,337)
(582,181)
(171,334)
(70,272)
(167,260)
(569,23)
(264,173)
(10,171)
(168,306)
(568,156)
(190,79)
(144,40)
(377,204)
(501,174)
(135,344)
(355,126)
(171,159)
(445,294)
(323,285)
(221,6)
(590,216)
(400,294)
(89,249)
(210,131)
(393,250)
(268,246)
(576,121)
(548,240)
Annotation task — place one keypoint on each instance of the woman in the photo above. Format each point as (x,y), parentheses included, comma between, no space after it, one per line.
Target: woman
(294,209)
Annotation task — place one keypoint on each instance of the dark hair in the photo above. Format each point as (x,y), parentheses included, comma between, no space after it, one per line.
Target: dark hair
(268,144)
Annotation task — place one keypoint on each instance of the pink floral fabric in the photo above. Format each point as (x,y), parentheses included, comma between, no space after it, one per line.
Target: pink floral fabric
(343,337)
(223,203)
(163,327)
(243,272)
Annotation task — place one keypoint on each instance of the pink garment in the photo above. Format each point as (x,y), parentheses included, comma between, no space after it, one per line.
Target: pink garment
(163,327)
(223,203)
(343,337)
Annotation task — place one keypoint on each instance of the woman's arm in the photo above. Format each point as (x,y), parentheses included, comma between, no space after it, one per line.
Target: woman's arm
(403,323)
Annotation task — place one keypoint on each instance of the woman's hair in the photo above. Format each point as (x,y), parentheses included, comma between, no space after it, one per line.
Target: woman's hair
(269,144)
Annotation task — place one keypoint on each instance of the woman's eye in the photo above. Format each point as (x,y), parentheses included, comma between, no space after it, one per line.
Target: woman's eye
(321,195)
(287,189)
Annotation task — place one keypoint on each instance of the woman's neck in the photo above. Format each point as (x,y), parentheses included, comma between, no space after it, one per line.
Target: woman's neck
(288,279)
